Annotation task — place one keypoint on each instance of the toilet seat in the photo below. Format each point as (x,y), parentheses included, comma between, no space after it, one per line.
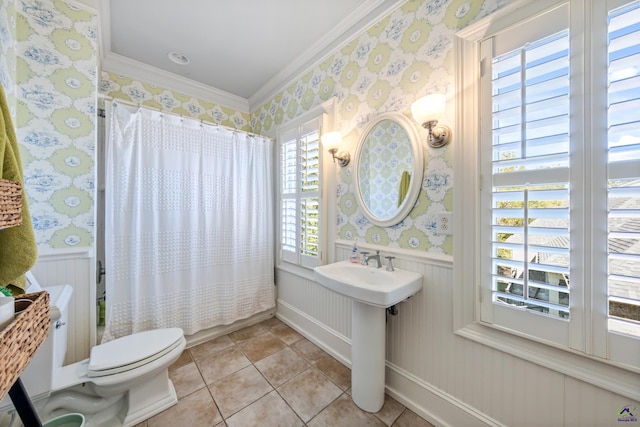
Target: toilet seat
(132,351)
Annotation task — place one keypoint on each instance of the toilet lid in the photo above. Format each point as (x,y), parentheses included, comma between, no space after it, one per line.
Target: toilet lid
(131,351)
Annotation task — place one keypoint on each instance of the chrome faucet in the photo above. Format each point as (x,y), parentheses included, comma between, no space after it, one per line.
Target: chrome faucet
(390,262)
(375,257)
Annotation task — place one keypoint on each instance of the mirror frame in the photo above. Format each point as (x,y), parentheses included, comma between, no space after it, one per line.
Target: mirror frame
(416,172)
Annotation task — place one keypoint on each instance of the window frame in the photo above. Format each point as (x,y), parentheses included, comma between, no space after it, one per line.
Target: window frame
(586,355)
(323,113)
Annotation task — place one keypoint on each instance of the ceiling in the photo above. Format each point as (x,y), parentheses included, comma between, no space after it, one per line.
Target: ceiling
(239,51)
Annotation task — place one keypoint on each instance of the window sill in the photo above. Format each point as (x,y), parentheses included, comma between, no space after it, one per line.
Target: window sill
(304,272)
(617,379)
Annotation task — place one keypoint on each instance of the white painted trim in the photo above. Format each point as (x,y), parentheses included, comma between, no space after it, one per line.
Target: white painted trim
(601,373)
(334,343)
(121,65)
(218,331)
(437,407)
(297,270)
(431,403)
(465,159)
(417,169)
(327,107)
(357,22)
(428,258)
(515,12)
(623,379)
(47,254)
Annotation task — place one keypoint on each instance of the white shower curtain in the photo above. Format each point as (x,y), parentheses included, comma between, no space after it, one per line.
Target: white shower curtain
(188,223)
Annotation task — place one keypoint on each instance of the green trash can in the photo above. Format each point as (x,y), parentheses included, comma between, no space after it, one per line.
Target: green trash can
(67,420)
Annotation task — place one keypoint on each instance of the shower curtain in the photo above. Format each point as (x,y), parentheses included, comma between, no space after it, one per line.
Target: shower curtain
(188,223)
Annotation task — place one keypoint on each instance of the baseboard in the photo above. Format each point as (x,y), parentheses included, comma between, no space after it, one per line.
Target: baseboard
(218,331)
(432,404)
(337,345)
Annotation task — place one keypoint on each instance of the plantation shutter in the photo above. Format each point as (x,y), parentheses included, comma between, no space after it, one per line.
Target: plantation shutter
(288,196)
(300,194)
(310,197)
(525,169)
(624,169)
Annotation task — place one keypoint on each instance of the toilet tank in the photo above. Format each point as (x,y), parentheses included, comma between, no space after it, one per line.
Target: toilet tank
(59,297)
(38,376)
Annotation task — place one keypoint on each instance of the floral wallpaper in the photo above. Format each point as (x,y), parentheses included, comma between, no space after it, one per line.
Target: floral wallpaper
(49,69)
(158,98)
(405,56)
(8,57)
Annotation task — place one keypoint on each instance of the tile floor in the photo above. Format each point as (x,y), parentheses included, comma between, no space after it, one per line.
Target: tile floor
(268,375)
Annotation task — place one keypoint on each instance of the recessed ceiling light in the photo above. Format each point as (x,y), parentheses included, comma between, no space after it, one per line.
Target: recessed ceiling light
(178,58)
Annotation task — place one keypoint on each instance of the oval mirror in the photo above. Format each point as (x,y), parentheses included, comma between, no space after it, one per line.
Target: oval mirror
(388,169)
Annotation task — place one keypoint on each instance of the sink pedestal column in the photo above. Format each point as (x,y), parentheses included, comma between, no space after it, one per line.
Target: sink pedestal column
(367,355)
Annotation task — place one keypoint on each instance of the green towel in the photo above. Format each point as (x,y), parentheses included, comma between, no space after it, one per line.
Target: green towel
(404,187)
(18,250)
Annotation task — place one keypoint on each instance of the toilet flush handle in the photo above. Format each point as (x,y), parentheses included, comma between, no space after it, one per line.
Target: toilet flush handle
(60,324)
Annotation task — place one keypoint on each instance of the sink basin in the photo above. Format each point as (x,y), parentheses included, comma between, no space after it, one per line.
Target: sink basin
(371,290)
(375,286)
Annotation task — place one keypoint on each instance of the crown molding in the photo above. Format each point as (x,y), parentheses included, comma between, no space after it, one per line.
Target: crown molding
(122,65)
(367,14)
(353,25)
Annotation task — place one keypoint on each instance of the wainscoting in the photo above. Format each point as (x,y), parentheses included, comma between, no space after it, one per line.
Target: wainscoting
(445,378)
(76,268)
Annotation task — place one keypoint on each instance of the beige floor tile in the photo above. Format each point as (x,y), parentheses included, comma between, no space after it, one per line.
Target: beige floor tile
(211,347)
(184,359)
(258,347)
(271,322)
(186,379)
(221,364)
(248,332)
(390,411)
(197,409)
(239,390)
(336,371)
(309,393)
(142,424)
(286,333)
(410,419)
(344,413)
(269,410)
(280,367)
(311,352)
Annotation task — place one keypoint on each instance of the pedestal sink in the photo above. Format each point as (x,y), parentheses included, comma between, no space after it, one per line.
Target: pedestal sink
(372,290)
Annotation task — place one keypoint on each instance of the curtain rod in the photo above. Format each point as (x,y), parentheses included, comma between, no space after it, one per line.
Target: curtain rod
(133,104)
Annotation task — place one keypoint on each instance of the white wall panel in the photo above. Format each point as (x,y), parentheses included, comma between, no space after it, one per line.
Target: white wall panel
(448,379)
(76,268)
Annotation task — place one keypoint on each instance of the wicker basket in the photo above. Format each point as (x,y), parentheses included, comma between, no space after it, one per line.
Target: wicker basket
(22,337)
(10,203)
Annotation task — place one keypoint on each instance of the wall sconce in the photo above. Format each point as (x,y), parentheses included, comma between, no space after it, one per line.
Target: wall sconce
(426,111)
(331,140)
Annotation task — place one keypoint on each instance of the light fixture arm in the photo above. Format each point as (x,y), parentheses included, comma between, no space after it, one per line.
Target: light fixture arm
(343,157)
(439,136)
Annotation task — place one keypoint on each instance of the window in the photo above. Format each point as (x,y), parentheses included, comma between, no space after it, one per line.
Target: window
(525,152)
(300,178)
(623,180)
(556,156)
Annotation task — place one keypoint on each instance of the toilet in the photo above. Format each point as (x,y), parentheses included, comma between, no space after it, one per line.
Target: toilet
(122,383)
